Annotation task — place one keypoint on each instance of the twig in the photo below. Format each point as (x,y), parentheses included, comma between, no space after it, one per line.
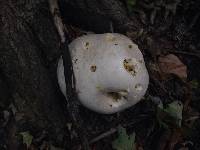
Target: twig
(192,118)
(111,27)
(113,130)
(71,95)
(103,135)
(185,53)
(53,5)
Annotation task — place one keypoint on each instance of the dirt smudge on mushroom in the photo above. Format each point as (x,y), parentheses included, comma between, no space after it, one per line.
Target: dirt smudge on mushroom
(119,95)
(93,68)
(86,45)
(110,37)
(130,66)
(130,46)
(138,87)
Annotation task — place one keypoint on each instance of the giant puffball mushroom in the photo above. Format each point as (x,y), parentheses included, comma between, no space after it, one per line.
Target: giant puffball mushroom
(109,70)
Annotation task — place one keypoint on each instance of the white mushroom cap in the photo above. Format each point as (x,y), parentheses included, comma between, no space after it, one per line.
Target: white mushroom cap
(109,70)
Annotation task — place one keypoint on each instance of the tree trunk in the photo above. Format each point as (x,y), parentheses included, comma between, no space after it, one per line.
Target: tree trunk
(28,51)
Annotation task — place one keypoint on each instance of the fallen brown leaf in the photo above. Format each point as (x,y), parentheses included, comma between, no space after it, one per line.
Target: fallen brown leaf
(171,64)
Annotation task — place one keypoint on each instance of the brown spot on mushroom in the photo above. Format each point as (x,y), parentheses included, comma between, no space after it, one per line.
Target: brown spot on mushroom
(123,92)
(114,95)
(118,95)
(110,37)
(75,61)
(87,45)
(130,66)
(138,87)
(130,46)
(93,68)
(116,44)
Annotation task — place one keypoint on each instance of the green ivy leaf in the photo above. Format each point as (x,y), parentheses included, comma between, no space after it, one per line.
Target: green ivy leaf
(194,84)
(124,141)
(27,138)
(171,115)
(130,4)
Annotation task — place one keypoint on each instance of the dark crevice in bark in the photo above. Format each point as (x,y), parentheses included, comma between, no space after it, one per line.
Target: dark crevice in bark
(103,14)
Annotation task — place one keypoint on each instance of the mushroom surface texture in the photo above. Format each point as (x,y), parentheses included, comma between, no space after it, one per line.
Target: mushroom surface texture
(110,72)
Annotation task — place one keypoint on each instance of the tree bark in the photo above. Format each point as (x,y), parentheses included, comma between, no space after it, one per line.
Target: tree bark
(28,51)
(97,15)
